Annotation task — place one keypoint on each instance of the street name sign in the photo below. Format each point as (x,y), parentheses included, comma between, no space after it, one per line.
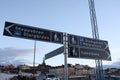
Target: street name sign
(83,47)
(54,53)
(34,33)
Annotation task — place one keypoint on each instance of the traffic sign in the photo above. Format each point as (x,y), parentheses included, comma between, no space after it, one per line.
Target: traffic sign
(88,48)
(55,52)
(34,33)
(78,46)
(92,43)
(94,54)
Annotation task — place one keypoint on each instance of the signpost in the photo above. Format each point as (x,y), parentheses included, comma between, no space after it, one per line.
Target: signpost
(29,32)
(83,47)
(74,46)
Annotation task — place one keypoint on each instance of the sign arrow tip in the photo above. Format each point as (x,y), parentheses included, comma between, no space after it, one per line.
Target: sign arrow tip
(8,27)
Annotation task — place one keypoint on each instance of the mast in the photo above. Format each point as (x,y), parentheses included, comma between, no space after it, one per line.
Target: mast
(95,34)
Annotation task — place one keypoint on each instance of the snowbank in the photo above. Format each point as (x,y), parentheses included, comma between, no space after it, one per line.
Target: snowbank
(4,76)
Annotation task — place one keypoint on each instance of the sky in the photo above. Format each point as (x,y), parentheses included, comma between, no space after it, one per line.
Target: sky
(70,16)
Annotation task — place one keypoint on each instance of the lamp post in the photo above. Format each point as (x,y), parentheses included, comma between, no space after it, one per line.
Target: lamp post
(34,59)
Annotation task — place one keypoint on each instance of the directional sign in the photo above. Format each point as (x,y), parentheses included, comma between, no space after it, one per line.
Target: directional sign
(88,48)
(55,52)
(94,54)
(93,43)
(29,32)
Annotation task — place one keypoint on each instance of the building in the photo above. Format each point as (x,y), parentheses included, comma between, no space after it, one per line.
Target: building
(43,68)
(24,67)
(59,70)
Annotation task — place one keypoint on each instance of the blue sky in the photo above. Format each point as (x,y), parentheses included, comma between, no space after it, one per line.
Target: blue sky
(71,16)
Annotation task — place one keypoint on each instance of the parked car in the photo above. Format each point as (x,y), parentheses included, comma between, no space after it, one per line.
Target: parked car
(112,78)
(51,77)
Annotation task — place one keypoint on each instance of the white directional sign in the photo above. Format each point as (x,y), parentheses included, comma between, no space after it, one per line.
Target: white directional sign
(89,48)
(29,32)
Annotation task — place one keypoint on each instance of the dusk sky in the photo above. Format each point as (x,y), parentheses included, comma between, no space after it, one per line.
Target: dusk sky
(70,16)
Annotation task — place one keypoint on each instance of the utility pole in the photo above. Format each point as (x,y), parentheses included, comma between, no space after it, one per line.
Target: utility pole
(95,34)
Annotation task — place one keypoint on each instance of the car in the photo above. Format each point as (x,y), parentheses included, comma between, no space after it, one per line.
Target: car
(51,77)
(112,78)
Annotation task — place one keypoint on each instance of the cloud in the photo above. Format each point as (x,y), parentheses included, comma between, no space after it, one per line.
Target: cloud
(9,55)
(114,64)
(21,62)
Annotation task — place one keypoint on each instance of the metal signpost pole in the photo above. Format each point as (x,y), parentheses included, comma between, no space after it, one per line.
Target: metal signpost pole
(65,40)
(95,33)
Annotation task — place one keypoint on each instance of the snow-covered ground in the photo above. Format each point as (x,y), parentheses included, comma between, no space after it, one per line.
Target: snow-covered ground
(4,76)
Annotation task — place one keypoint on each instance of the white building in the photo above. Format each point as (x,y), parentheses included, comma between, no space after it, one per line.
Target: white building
(24,67)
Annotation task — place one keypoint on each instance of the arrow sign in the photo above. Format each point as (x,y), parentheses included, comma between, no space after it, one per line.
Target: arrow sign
(34,33)
(94,54)
(88,48)
(93,43)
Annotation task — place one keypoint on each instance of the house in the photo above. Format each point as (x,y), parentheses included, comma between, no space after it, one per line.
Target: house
(59,70)
(24,67)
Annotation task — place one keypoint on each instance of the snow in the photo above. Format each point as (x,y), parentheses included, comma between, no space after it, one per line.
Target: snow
(4,76)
